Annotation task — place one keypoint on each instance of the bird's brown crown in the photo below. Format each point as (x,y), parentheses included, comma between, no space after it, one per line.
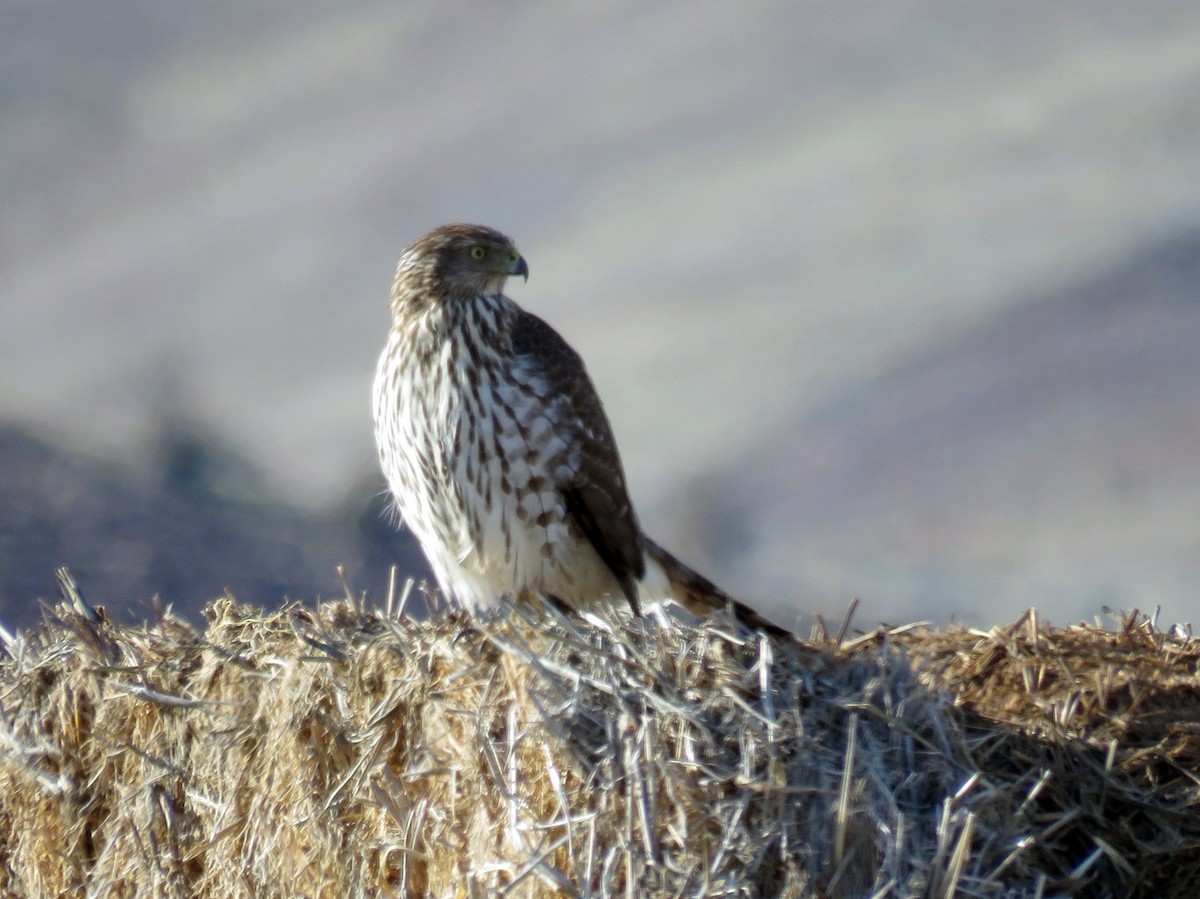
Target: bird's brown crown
(456,260)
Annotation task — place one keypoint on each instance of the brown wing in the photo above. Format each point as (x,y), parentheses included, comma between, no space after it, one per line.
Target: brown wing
(595,496)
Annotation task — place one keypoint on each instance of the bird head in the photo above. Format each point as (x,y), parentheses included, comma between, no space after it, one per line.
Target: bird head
(459,260)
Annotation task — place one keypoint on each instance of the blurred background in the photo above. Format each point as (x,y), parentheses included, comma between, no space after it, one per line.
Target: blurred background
(894,299)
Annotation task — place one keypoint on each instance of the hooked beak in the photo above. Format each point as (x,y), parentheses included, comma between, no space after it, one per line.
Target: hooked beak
(519,267)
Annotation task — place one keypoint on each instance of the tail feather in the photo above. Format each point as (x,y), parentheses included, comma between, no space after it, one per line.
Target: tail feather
(699,595)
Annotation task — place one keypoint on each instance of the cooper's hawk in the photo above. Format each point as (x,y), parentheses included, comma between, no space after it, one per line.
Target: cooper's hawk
(496,447)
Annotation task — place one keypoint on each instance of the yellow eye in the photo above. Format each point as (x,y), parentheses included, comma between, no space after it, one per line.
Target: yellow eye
(514,256)
(478,252)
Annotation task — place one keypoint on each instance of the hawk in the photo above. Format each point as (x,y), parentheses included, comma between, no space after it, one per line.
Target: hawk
(497,449)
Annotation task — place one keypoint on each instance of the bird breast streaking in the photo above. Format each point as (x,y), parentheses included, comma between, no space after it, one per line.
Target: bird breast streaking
(497,449)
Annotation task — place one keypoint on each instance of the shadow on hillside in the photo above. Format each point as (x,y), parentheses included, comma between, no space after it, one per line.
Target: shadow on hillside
(196,522)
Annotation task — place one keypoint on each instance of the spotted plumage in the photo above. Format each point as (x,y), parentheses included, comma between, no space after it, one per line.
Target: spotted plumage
(496,447)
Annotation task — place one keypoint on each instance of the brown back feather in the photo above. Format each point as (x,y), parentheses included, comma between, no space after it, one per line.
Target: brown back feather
(596,497)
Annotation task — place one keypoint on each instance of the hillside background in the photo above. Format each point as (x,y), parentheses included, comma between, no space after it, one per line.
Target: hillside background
(898,300)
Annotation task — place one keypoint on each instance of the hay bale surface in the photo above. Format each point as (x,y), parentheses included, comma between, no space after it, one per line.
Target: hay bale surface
(343,752)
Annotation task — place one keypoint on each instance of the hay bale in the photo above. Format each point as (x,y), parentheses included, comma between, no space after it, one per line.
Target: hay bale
(343,752)
(1103,727)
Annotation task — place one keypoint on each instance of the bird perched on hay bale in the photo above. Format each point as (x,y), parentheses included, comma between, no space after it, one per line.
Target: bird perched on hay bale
(497,449)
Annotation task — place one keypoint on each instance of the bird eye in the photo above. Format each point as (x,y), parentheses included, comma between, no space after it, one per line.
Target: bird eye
(478,252)
(513,256)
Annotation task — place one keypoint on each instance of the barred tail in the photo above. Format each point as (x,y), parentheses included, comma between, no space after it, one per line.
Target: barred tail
(699,595)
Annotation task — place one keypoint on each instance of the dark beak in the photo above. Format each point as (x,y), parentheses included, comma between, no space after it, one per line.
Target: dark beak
(519,267)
